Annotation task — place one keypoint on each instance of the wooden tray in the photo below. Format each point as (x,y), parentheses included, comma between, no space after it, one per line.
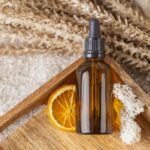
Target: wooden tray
(39,130)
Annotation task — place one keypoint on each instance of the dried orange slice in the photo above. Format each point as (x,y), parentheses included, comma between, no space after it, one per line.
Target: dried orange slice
(61,107)
(117,105)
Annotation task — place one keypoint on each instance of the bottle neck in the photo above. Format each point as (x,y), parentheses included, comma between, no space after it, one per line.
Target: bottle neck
(94,59)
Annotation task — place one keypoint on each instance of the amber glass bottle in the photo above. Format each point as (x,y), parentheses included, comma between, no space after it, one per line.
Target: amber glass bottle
(94,104)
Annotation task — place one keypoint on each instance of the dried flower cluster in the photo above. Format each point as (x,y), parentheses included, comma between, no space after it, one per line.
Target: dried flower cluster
(132,106)
(39,26)
(126,13)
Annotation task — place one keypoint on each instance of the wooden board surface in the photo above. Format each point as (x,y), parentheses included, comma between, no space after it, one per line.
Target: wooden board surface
(39,134)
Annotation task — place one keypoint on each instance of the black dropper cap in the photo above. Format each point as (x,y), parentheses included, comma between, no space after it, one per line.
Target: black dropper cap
(94,45)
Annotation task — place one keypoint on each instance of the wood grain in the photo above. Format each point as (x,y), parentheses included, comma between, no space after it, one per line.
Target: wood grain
(39,134)
(67,76)
(1,148)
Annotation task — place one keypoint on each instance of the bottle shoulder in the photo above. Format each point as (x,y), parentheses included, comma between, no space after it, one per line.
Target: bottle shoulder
(98,64)
(85,64)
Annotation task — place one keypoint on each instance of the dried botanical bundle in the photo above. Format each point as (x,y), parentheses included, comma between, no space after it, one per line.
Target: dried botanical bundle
(19,26)
(14,42)
(137,52)
(54,26)
(113,25)
(46,28)
(126,13)
(22,43)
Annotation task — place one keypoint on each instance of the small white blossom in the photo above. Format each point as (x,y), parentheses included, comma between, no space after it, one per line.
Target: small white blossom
(130,130)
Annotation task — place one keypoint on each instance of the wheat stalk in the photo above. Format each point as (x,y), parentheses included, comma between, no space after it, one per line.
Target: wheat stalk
(45,26)
(142,53)
(126,13)
(124,58)
(50,43)
(39,40)
(69,33)
(114,26)
(52,50)
(47,42)
(136,52)
(130,49)
(58,23)
(125,31)
(20,41)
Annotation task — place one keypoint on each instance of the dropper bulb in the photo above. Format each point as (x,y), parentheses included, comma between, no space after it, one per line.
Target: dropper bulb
(94,28)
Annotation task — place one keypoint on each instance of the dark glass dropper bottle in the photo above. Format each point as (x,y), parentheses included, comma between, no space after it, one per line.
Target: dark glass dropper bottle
(94,104)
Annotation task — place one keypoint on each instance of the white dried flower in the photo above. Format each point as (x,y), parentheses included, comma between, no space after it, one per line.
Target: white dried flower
(130,130)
